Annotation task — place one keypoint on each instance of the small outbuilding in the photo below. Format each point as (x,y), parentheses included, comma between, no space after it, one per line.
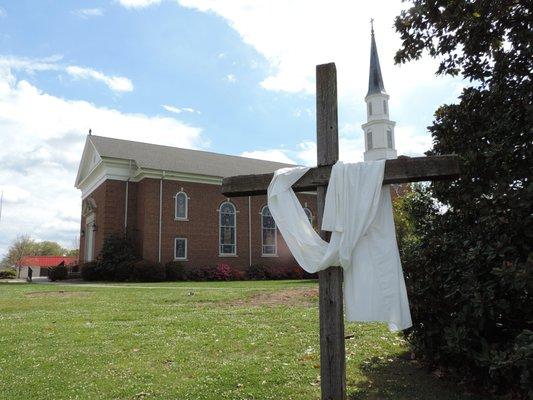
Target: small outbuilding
(40,264)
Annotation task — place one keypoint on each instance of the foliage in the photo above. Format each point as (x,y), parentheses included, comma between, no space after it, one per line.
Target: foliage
(174,271)
(148,271)
(9,273)
(257,272)
(58,273)
(116,251)
(22,246)
(123,271)
(261,272)
(73,253)
(89,271)
(469,269)
(222,272)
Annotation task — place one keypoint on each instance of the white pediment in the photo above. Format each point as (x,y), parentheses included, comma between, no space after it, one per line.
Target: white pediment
(89,161)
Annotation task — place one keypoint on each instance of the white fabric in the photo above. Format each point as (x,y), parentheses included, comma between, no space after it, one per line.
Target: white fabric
(358,212)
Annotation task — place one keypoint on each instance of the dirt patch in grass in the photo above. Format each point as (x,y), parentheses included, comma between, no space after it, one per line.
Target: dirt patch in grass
(57,293)
(281,297)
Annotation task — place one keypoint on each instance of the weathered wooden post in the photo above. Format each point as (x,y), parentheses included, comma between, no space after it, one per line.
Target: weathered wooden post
(401,170)
(332,350)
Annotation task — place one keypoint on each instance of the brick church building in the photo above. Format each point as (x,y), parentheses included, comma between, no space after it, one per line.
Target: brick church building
(168,201)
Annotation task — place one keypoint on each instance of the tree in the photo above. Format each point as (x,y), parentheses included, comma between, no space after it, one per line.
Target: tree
(48,248)
(469,271)
(22,246)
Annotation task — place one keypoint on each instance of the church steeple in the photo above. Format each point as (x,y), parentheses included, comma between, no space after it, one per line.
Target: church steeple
(379,129)
(375,79)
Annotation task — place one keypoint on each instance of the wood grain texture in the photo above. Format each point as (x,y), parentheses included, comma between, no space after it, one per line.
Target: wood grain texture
(400,170)
(332,350)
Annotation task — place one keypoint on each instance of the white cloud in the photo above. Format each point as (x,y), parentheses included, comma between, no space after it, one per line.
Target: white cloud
(408,143)
(308,33)
(351,147)
(2,12)
(41,140)
(138,3)
(231,78)
(13,193)
(278,155)
(29,65)
(87,13)
(115,83)
(178,110)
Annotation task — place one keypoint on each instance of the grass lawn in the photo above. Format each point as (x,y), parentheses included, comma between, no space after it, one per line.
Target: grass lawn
(224,340)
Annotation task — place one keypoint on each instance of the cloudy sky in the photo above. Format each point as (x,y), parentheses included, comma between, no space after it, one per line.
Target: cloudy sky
(230,76)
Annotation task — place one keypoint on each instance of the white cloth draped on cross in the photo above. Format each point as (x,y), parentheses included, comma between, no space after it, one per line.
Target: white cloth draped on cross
(358,213)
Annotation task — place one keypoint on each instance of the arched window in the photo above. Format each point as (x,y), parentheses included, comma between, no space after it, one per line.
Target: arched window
(269,235)
(181,207)
(309,215)
(369,108)
(385,111)
(228,228)
(369,140)
(389,139)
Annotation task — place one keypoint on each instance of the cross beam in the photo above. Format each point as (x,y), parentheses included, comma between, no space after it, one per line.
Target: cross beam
(400,170)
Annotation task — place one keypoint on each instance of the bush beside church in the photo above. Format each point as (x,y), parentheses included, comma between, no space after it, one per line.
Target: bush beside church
(117,262)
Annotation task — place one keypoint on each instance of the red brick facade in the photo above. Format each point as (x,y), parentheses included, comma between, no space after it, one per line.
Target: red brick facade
(201,229)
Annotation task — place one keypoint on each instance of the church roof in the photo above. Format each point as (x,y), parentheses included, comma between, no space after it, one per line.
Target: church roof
(175,159)
(375,79)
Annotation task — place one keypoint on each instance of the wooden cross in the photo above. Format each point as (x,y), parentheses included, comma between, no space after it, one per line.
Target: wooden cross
(402,170)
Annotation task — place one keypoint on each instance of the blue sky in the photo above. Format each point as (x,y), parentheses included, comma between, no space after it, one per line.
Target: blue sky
(229,76)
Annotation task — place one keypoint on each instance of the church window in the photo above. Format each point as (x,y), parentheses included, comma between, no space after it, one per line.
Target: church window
(385,111)
(369,140)
(180,249)
(181,206)
(369,108)
(227,227)
(269,239)
(309,215)
(389,138)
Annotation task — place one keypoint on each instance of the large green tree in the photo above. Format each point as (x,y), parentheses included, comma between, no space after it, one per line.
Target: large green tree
(470,270)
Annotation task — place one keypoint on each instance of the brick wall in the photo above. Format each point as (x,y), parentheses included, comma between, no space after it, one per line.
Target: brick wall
(201,229)
(108,215)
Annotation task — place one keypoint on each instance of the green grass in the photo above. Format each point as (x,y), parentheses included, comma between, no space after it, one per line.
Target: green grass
(225,340)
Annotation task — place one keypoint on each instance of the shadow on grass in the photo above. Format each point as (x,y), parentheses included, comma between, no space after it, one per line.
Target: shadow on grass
(402,379)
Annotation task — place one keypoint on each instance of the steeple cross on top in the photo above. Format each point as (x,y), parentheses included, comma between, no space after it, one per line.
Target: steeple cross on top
(372,25)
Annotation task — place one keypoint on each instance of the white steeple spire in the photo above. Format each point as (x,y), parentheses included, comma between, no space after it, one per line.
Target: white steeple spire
(379,129)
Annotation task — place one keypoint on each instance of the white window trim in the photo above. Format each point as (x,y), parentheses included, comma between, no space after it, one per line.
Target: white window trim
(176,218)
(220,254)
(186,249)
(275,236)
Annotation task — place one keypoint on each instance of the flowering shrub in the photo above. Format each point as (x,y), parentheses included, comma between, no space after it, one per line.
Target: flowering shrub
(223,272)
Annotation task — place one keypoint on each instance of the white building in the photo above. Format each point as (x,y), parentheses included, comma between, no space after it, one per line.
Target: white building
(379,129)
